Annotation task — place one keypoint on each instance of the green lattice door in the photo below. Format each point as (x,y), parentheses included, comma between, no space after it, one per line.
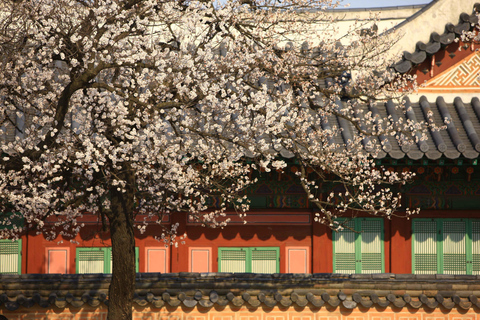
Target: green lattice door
(10,257)
(371,234)
(425,246)
(358,247)
(255,259)
(265,260)
(93,260)
(476,247)
(232,260)
(97,260)
(454,234)
(446,246)
(344,248)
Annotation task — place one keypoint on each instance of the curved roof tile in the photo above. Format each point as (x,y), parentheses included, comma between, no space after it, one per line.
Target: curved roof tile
(181,289)
(459,137)
(423,50)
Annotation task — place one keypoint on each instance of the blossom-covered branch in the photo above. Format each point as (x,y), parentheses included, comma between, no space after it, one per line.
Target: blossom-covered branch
(128,107)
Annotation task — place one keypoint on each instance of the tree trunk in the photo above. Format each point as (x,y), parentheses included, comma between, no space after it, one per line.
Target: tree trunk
(122,287)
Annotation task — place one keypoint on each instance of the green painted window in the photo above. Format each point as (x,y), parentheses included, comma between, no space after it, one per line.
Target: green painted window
(446,246)
(10,257)
(358,247)
(255,259)
(97,260)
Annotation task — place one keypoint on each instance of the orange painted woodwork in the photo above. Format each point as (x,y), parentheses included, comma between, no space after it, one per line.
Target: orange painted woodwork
(57,260)
(156,259)
(200,259)
(297,260)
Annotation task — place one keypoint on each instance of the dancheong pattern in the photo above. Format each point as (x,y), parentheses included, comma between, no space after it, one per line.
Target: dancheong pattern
(464,75)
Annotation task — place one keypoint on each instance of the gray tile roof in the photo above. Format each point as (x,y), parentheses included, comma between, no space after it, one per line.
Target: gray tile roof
(458,139)
(210,289)
(437,41)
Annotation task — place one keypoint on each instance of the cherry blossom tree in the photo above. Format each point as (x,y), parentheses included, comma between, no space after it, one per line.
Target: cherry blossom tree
(149,107)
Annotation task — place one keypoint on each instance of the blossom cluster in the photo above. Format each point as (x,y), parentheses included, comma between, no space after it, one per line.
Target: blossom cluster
(172,102)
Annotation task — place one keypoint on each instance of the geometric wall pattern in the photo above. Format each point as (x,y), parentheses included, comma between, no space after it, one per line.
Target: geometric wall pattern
(464,76)
(245,313)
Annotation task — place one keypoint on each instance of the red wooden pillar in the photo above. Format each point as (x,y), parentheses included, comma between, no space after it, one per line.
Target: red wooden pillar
(387,240)
(179,253)
(25,238)
(322,250)
(401,246)
(34,254)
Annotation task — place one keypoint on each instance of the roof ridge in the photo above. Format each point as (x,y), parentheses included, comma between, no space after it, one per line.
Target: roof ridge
(414,16)
(408,6)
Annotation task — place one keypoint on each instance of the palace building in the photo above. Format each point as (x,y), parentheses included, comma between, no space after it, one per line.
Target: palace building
(281,264)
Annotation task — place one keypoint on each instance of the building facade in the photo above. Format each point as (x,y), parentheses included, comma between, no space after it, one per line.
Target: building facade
(280,235)
(423,267)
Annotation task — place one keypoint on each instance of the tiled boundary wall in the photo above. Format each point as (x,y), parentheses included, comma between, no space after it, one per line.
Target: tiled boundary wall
(244,313)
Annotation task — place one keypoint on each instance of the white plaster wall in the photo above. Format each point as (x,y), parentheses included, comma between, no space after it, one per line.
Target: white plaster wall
(387,17)
(432,19)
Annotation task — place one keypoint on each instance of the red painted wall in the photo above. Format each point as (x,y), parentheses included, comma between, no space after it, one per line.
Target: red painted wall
(315,236)
(399,255)
(240,236)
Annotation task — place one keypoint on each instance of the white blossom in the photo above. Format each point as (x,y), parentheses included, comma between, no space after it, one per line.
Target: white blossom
(176,103)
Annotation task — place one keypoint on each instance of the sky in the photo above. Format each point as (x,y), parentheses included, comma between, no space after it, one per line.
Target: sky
(381,3)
